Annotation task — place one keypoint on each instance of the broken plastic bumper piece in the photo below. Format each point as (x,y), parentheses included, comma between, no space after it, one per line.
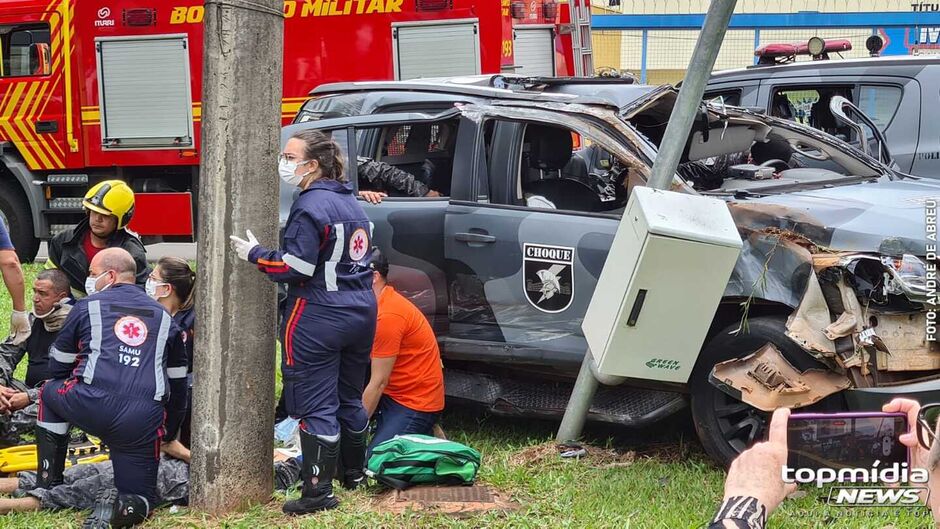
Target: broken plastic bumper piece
(767,381)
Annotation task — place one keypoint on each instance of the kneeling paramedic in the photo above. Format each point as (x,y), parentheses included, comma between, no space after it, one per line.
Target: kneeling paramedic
(329,315)
(118,367)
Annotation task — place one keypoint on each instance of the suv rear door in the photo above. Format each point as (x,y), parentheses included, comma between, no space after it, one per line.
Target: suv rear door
(407,229)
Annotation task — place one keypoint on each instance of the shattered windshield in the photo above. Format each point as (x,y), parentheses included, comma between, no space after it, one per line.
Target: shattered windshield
(731,150)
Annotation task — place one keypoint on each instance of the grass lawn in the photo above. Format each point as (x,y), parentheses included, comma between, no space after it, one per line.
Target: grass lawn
(654,478)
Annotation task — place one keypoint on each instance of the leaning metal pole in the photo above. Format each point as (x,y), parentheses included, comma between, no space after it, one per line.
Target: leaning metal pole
(664,170)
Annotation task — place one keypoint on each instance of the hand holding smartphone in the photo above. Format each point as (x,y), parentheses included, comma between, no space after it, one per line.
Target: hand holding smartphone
(846,440)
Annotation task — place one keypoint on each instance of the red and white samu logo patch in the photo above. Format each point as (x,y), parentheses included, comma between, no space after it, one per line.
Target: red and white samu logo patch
(358,244)
(131,330)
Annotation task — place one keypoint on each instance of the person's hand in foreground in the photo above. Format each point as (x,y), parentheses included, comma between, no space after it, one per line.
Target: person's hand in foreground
(754,487)
(16,400)
(176,450)
(372,197)
(19,327)
(920,456)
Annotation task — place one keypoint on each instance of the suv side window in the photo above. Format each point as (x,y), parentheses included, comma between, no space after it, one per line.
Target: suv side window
(726,97)
(879,103)
(810,105)
(410,160)
(557,168)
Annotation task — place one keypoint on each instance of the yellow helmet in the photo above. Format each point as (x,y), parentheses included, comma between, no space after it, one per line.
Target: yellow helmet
(111,197)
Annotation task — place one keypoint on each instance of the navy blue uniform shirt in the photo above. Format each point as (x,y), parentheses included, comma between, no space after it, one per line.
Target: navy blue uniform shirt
(122,341)
(327,243)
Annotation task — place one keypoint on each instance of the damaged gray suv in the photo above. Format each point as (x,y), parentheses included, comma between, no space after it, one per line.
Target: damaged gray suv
(827,308)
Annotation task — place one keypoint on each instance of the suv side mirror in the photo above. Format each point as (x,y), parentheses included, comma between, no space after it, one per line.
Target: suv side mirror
(846,113)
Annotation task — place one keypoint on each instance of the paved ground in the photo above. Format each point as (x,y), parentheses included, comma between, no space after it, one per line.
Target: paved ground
(154,251)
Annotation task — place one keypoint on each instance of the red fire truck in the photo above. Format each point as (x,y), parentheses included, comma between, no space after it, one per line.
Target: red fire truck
(112,89)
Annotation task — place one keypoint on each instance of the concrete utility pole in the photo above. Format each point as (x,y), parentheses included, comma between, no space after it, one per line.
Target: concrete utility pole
(233,401)
(664,169)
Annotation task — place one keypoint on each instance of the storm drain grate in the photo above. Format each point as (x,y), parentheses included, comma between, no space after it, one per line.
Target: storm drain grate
(472,494)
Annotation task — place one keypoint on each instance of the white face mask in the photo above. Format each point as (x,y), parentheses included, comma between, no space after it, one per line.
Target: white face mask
(91,282)
(151,288)
(287,170)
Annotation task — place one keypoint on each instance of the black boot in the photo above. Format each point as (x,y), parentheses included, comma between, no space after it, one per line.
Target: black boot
(352,456)
(131,510)
(319,466)
(117,510)
(51,449)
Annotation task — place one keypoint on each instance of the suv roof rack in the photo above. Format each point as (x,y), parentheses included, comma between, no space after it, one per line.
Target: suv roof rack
(513,82)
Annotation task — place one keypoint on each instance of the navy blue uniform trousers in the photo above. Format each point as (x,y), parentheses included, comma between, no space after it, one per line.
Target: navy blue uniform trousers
(325,354)
(131,428)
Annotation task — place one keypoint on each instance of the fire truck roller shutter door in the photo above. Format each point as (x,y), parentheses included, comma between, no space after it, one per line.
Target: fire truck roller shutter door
(144,92)
(423,50)
(534,51)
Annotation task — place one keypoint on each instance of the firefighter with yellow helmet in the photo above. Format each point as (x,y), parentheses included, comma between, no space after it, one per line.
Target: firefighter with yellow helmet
(109,206)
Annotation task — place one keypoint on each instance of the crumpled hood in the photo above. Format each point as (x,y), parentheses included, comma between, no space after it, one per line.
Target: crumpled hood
(888,217)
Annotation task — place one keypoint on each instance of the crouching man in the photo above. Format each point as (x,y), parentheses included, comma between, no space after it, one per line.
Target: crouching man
(117,369)
(405,393)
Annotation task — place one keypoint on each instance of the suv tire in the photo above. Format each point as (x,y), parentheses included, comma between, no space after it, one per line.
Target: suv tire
(725,425)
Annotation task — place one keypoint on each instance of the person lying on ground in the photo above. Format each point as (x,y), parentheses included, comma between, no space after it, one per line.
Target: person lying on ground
(405,393)
(84,482)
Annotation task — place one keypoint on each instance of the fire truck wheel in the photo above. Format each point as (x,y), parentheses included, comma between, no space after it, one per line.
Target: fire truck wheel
(725,425)
(15,215)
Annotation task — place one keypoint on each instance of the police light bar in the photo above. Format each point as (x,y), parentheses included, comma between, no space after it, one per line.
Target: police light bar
(818,48)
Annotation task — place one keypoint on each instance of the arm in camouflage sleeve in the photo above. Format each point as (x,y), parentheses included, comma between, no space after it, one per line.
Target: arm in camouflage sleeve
(385,176)
(740,512)
(11,354)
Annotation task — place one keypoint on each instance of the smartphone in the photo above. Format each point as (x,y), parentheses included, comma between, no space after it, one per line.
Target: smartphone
(846,440)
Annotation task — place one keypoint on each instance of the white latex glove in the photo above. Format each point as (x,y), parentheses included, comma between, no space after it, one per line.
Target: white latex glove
(19,326)
(241,246)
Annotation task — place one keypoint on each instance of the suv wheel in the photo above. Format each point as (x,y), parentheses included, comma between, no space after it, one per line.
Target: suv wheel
(726,426)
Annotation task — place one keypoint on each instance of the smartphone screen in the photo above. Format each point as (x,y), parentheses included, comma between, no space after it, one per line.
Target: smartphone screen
(846,440)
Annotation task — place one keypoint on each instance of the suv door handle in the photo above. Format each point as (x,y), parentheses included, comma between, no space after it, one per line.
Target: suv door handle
(475,238)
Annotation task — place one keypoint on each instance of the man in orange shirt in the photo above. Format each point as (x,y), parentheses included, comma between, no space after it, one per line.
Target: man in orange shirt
(405,393)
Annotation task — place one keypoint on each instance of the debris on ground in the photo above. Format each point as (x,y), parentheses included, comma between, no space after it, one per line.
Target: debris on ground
(594,456)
